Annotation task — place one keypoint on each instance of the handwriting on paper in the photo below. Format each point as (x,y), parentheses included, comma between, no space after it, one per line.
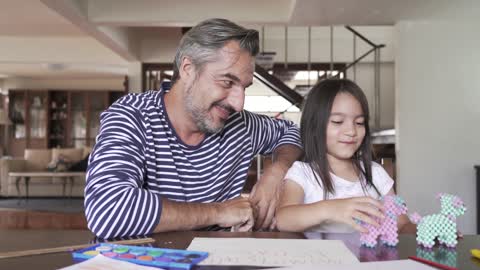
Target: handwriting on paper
(272,252)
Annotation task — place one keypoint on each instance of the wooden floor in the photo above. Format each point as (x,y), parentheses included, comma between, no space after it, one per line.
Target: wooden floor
(25,219)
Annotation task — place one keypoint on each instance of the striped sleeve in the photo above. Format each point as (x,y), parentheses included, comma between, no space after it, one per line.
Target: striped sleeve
(116,205)
(268,133)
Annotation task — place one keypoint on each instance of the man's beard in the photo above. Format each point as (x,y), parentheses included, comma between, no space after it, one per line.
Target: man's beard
(205,123)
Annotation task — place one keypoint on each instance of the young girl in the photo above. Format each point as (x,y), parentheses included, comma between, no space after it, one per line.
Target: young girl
(337,183)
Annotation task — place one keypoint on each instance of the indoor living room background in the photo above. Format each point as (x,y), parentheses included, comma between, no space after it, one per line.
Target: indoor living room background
(63,62)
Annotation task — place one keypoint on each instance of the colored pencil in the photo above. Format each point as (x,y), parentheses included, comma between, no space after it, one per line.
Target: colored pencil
(434,264)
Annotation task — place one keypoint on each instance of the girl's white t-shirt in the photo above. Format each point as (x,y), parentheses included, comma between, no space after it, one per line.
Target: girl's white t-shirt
(302,174)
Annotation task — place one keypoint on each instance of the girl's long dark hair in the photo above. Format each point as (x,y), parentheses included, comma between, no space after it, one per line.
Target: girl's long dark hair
(313,129)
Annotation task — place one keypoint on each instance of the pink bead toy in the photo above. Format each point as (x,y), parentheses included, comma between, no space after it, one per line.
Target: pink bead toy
(441,226)
(387,231)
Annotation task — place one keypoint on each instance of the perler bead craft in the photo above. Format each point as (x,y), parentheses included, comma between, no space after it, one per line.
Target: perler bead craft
(441,226)
(387,231)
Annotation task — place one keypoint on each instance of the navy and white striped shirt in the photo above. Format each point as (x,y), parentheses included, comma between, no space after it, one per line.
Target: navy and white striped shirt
(138,159)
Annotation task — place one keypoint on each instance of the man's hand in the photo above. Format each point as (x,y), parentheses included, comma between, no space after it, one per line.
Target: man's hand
(266,192)
(236,213)
(265,197)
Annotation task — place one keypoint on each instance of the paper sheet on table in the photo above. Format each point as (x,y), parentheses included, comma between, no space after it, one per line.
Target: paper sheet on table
(100,262)
(390,265)
(272,252)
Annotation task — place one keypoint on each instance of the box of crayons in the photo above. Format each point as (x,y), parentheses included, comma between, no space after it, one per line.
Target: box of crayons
(159,257)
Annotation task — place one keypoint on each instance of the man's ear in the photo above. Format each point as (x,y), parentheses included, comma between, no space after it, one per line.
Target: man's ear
(187,69)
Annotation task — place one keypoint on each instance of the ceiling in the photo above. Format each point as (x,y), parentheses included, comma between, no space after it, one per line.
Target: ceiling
(33,18)
(100,38)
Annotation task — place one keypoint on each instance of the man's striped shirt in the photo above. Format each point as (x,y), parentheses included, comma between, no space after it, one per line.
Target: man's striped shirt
(138,159)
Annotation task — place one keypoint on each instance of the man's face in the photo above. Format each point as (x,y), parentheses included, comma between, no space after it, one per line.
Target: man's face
(218,89)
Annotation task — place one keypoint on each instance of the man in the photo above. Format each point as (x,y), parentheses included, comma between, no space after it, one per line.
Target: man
(178,159)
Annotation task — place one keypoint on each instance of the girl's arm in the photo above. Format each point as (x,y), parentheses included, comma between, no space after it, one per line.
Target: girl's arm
(294,215)
(404,223)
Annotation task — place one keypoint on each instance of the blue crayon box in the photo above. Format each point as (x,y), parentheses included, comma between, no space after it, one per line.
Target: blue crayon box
(159,257)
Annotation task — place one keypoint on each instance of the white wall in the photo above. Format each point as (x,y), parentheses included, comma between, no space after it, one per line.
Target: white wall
(135,77)
(365,79)
(297,47)
(64,84)
(437,113)
(159,45)
(79,50)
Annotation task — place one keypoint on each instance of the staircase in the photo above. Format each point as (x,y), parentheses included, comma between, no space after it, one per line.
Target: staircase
(335,70)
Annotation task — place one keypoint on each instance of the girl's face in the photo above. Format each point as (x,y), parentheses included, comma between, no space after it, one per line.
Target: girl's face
(345,128)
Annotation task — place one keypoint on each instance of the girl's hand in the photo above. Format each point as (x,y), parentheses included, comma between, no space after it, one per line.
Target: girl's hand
(359,208)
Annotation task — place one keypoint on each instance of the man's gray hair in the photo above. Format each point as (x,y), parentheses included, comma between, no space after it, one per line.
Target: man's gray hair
(202,42)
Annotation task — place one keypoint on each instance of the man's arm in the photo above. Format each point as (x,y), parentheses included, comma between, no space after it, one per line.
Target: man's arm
(266,192)
(282,139)
(116,205)
(181,216)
